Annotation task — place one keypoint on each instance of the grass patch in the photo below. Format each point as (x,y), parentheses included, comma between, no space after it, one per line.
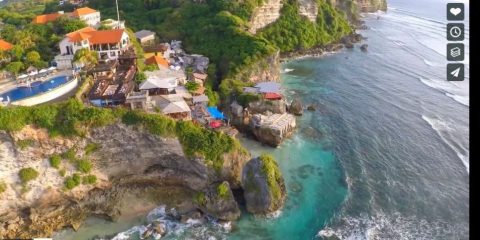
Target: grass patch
(84,165)
(3,187)
(201,199)
(70,154)
(73,181)
(272,173)
(223,190)
(62,172)
(55,160)
(27,174)
(91,148)
(25,143)
(90,179)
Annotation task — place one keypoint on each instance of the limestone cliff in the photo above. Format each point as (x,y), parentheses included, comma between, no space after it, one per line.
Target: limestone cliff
(129,162)
(266,69)
(270,11)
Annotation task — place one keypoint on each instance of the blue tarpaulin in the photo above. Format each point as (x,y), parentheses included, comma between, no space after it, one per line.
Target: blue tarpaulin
(215,113)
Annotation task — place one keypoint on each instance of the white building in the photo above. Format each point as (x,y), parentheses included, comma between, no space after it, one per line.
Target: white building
(108,43)
(88,15)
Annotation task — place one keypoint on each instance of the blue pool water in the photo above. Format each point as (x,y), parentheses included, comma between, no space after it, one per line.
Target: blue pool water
(34,89)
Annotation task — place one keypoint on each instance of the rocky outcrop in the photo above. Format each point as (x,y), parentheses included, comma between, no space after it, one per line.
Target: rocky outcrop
(263,184)
(371,5)
(268,13)
(218,201)
(296,107)
(263,106)
(309,9)
(265,69)
(129,163)
(272,129)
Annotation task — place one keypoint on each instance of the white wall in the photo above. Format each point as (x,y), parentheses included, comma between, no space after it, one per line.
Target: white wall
(92,19)
(47,96)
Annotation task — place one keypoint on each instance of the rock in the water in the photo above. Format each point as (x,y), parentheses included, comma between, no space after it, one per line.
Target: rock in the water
(349,45)
(311,107)
(218,201)
(296,107)
(159,227)
(272,129)
(264,186)
(364,47)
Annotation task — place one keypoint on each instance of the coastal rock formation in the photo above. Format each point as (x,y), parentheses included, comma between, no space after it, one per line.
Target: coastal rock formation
(218,201)
(263,106)
(296,107)
(268,13)
(272,129)
(129,163)
(264,186)
(266,69)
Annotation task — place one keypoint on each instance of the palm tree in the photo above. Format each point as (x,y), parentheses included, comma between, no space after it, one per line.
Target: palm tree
(87,57)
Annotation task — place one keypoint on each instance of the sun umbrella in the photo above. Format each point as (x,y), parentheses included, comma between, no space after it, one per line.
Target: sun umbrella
(51,68)
(33,73)
(43,71)
(23,76)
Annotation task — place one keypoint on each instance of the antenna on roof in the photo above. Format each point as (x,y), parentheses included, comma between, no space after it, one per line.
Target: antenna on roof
(118,15)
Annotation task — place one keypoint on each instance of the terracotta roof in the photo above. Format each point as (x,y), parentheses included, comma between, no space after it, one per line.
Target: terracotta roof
(80,34)
(83,11)
(158,60)
(5,46)
(273,96)
(106,36)
(46,18)
(96,37)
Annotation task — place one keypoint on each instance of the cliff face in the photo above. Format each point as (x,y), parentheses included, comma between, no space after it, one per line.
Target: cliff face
(128,163)
(270,11)
(371,5)
(266,69)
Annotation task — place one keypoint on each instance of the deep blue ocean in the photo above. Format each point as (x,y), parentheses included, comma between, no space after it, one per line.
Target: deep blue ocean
(385,154)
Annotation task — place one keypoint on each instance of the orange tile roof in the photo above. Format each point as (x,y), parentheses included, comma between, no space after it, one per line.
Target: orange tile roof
(46,18)
(83,11)
(80,34)
(158,60)
(5,46)
(106,36)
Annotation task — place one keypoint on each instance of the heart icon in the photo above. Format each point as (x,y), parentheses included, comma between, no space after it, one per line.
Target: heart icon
(455,11)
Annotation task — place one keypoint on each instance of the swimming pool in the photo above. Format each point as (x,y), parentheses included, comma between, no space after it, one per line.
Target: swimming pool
(34,89)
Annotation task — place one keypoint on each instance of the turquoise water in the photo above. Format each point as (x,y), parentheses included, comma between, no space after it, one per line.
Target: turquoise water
(386,153)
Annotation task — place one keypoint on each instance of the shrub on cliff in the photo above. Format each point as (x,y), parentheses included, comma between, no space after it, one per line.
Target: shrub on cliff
(23,144)
(3,187)
(55,160)
(70,154)
(272,173)
(223,190)
(73,181)
(91,148)
(90,179)
(84,165)
(27,174)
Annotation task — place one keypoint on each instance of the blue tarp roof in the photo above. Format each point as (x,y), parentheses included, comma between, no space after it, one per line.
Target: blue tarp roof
(215,113)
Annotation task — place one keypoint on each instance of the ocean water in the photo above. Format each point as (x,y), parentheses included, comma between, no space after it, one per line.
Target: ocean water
(385,154)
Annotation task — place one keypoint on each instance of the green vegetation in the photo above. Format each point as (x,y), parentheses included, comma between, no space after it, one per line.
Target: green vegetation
(91,148)
(245,98)
(200,199)
(86,57)
(70,154)
(273,174)
(3,187)
(293,32)
(192,86)
(71,118)
(62,172)
(84,165)
(55,160)
(27,174)
(23,144)
(223,190)
(73,181)
(89,179)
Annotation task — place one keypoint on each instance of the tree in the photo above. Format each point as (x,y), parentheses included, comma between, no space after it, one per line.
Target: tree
(87,57)
(4,56)
(17,52)
(64,25)
(33,57)
(14,67)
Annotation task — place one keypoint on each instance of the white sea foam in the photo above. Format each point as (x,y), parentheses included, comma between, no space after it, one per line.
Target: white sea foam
(432,64)
(287,70)
(393,226)
(444,129)
(459,93)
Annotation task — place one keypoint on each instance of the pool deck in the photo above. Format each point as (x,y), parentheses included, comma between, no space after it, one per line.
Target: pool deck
(8,84)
